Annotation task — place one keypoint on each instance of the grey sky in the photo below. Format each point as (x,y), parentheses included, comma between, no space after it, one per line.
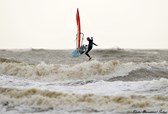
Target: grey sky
(51,24)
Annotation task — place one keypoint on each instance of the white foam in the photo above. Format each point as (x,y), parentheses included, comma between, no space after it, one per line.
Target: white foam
(93,70)
(43,71)
(99,95)
(156,87)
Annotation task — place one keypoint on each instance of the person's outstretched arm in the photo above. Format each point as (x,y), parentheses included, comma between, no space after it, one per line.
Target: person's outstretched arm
(95,44)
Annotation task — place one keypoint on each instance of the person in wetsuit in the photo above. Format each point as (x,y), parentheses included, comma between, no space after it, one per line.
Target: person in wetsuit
(90,46)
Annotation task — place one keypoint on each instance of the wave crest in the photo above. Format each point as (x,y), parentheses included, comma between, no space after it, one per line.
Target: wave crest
(67,101)
(77,71)
(4,60)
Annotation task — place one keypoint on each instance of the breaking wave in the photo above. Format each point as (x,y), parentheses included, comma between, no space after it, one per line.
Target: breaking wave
(76,71)
(82,71)
(70,101)
(4,60)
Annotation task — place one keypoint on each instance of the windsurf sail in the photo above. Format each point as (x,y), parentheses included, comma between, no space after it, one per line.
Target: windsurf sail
(78,29)
(80,48)
(79,40)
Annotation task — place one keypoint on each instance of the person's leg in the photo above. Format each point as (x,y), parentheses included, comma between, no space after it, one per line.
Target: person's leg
(87,55)
(88,52)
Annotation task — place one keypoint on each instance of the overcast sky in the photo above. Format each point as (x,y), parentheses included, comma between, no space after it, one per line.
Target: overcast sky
(51,24)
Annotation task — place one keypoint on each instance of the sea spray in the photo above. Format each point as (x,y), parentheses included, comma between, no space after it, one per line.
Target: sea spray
(52,81)
(60,72)
(70,101)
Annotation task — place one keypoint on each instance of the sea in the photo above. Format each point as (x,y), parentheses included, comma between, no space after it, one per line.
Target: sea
(114,81)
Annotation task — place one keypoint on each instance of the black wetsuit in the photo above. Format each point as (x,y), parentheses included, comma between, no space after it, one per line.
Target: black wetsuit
(90,46)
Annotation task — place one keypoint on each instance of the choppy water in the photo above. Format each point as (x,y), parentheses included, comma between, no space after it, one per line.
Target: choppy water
(114,81)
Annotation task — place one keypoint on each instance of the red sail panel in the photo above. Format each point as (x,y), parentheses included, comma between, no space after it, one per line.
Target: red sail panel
(78,29)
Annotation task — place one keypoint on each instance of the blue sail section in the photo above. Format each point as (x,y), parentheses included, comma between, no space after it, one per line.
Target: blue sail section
(75,53)
(79,52)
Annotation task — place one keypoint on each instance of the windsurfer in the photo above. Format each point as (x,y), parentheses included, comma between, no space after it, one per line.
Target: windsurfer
(90,46)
